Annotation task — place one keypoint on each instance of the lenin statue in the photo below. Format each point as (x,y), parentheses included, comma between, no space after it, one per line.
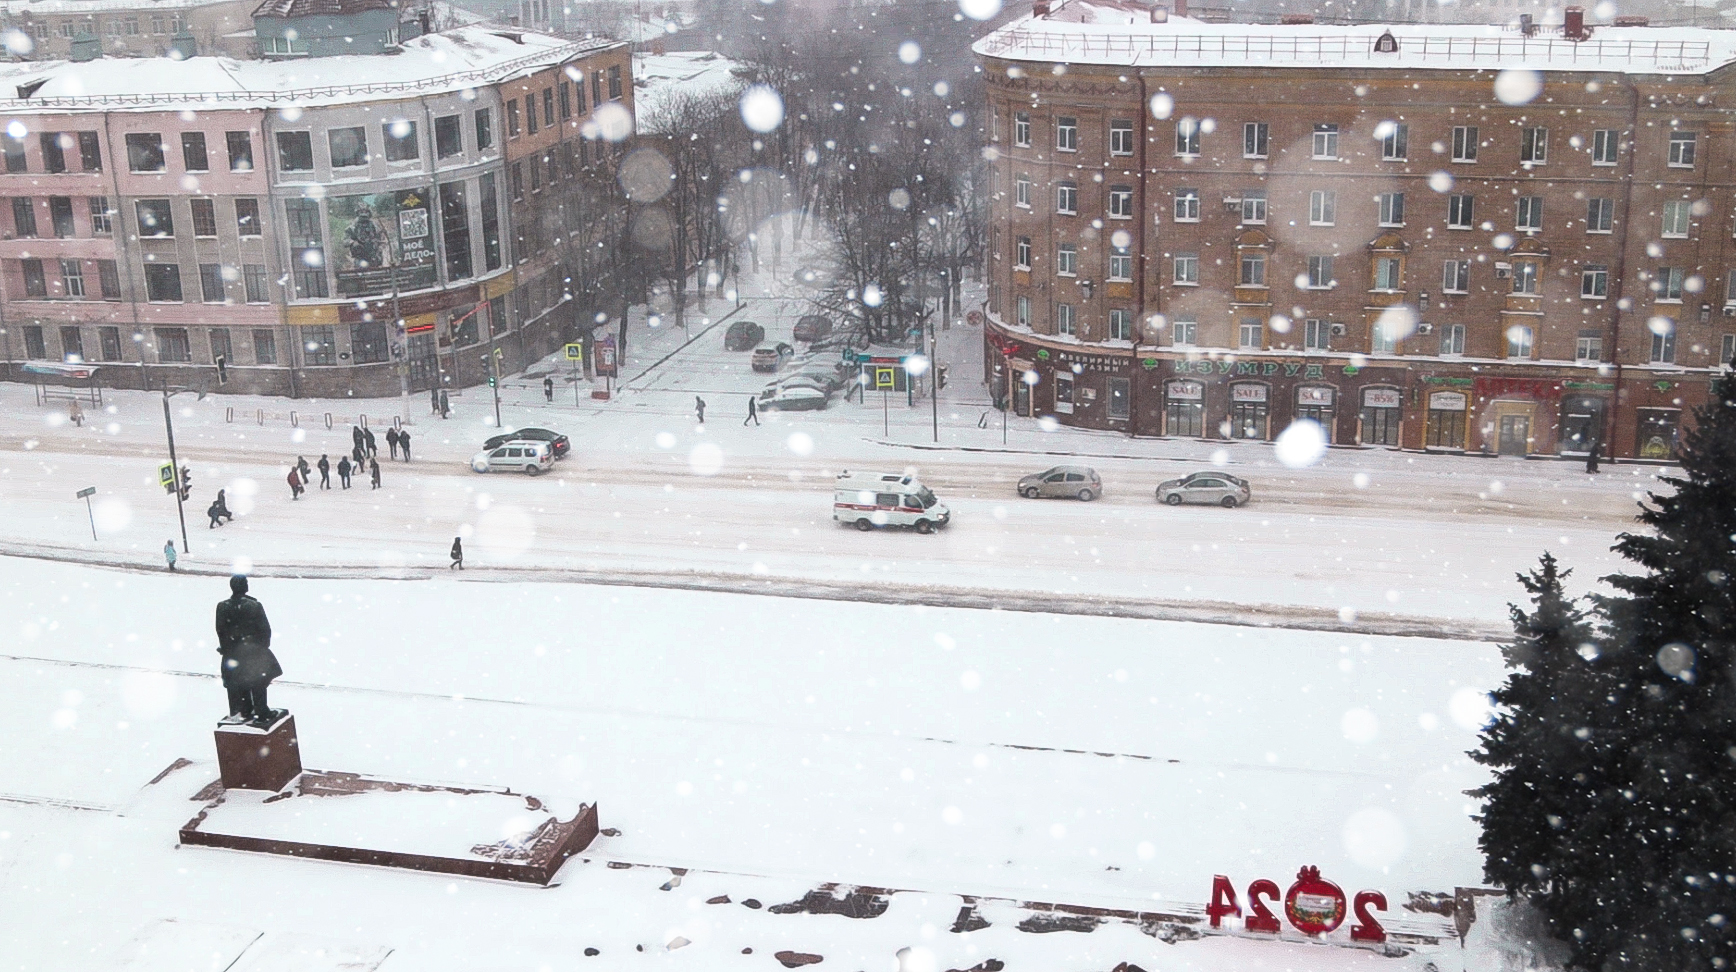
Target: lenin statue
(244,641)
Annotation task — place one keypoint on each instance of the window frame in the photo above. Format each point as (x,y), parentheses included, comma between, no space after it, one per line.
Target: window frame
(1594,282)
(1528,214)
(1322,207)
(1254,203)
(1387,270)
(1465,144)
(1534,145)
(1251,266)
(1120,202)
(1021,129)
(1455,276)
(1324,145)
(1395,145)
(1066,198)
(1605,146)
(295,142)
(1066,133)
(1184,269)
(1461,211)
(1120,136)
(1187,137)
(1320,275)
(1066,259)
(1256,140)
(1677,211)
(1682,150)
(1390,209)
(1187,205)
(1599,215)
(348,132)
(1022,253)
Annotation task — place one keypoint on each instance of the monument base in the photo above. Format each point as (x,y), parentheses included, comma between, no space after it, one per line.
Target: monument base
(252,758)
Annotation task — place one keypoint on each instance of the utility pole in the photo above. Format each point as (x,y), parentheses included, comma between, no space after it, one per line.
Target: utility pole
(402,348)
(180,487)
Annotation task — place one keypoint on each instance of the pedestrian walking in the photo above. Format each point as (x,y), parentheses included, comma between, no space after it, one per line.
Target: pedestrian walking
(344,469)
(392,441)
(218,511)
(548,391)
(357,457)
(404,443)
(699,406)
(325,472)
(369,443)
(433,401)
(752,412)
(457,554)
(356,436)
(445,404)
(169,553)
(1591,457)
(75,414)
(295,482)
(305,470)
(374,472)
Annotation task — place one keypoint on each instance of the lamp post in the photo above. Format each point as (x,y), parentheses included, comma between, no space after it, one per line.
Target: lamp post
(175,462)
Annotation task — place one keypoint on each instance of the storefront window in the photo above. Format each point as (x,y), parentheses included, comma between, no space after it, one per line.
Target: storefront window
(1248,411)
(1315,403)
(1446,420)
(1120,399)
(1581,424)
(1063,393)
(1657,432)
(1380,416)
(1184,409)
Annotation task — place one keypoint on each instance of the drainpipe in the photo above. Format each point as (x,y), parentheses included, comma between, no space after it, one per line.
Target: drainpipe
(1145,241)
(129,292)
(1620,268)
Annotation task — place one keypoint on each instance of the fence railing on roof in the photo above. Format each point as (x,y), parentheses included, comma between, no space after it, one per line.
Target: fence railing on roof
(1317,49)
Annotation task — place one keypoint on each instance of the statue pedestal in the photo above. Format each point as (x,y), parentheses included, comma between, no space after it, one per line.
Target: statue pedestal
(251,758)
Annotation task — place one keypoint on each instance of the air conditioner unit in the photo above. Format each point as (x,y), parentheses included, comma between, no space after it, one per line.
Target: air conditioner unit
(1337,328)
(1730,310)
(1425,328)
(1232,200)
(1503,271)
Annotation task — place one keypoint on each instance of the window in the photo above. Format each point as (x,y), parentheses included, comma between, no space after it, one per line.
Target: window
(1064,320)
(211,283)
(1534,146)
(566,99)
(1465,143)
(1254,140)
(1594,281)
(548,100)
(448,137)
(1461,212)
(1382,341)
(596,87)
(1067,198)
(401,142)
(1184,331)
(35,283)
(172,344)
(144,152)
(1320,273)
(1250,334)
(155,217)
(319,345)
(1186,268)
(515,179)
(1120,324)
(1599,215)
(162,282)
(1187,205)
(220,347)
(1022,253)
(307,253)
(253,281)
(1519,341)
(1453,339)
(89,152)
(1022,191)
(1120,137)
(264,347)
(110,339)
(614,82)
(535,174)
(193,154)
(349,147)
(1187,137)
(246,217)
(1603,146)
(455,226)
(1120,263)
(1676,213)
(1022,129)
(1254,206)
(1120,393)
(1253,270)
(368,342)
(53,157)
(1663,341)
(1066,259)
(240,146)
(14,149)
(1120,202)
(491,220)
(72,277)
(1667,284)
(1456,276)
(1022,311)
(1682,150)
(1727,350)
(1322,207)
(1067,133)
(1394,145)
(1386,275)
(34,346)
(484,129)
(204,217)
(295,151)
(1391,208)
(1530,214)
(130,26)
(1316,335)
(1525,277)
(101,216)
(1589,347)
(24,217)
(1326,141)
(109,279)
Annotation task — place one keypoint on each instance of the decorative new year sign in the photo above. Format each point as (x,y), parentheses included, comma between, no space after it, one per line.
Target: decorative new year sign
(1313,905)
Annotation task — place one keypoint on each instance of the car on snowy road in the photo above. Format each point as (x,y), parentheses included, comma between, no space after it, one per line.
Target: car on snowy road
(794,397)
(1216,488)
(1062,481)
(811,328)
(743,336)
(515,455)
(772,356)
(558,443)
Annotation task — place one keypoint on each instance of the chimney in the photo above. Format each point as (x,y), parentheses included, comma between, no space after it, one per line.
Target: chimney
(1181,8)
(1040,8)
(1160,15)
(423,18)
(1296,19)
(1633,21)
(1573,24)
(1526,27)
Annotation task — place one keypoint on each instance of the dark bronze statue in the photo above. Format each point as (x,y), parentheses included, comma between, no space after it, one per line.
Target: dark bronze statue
(244,641)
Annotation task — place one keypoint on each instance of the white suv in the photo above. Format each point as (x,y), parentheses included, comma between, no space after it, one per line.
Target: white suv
(532,457)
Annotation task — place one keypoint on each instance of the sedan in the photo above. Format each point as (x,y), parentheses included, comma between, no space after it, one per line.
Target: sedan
(1062,481)
(771,358)
(1218,489)
(558,443)
(793,398)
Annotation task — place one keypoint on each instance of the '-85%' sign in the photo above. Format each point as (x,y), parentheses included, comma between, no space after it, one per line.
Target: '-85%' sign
(1313,905)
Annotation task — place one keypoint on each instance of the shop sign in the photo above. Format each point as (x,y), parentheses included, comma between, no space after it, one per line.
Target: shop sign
(1314,395)
(374,233)
(1247,393)
(1444,380)
(1290,369)
(1150,364)
(1313,905)
(1187,391)
(1381,398)
(1447,401)
(1588,385)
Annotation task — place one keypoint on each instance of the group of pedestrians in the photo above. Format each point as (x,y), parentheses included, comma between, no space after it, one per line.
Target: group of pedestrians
(439,403)
(752,410)
(363,458)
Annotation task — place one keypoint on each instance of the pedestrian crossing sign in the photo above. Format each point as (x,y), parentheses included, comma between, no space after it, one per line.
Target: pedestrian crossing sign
(575,352)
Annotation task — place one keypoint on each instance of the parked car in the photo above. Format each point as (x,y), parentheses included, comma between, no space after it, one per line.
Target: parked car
(794,398)
(557,442)
(743,336)
(812,327)
(833,377)
(816,382)
(531,457)
(772,356)
(868,500)
(1221,489)
(1062,481)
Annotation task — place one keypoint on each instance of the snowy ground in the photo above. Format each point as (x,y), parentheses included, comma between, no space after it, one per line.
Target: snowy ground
(767,742)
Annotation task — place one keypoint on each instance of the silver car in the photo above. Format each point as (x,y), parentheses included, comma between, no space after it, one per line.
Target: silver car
(1216,488)
(1063,481)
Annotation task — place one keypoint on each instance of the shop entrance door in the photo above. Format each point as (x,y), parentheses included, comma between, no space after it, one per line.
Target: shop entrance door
(1021,399)
(424,362)
(1515,435)
(1581,424)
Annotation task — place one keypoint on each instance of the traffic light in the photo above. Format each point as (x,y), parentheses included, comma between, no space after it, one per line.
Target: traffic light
(940,377)
(222,370)
(491,381)
(186,483)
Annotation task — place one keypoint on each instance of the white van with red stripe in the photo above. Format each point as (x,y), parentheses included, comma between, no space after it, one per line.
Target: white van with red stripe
(868,500)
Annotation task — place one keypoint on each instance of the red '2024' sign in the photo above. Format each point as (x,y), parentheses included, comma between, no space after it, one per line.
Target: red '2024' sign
(1314,906)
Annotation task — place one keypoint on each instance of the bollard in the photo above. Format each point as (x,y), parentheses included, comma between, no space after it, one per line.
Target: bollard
(294,420)
(261,416)
(328,420)
(398,422)
(363,419)
(229,415)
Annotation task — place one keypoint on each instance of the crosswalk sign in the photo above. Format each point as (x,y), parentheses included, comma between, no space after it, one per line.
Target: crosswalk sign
(575,352)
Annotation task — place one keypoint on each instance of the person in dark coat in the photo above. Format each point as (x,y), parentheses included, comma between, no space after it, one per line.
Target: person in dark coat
(392,442)
(325,471)
(305,470)
(1591,457)
(404,442)
(244,641)
(752,412)
(344,469)
(445,404)
(221,506)
(358,457)
(294,483)
(433,401)
(374,472)
(457,554)
(699,406)
(356,436)
(548,389)
(368,442)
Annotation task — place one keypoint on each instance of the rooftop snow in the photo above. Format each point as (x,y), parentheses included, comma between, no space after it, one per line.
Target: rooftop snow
(660,77)
(40,8)
(1087,33)
(452,60)
(320,8)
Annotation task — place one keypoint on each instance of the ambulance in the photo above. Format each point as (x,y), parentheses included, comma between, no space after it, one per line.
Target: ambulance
(868,500)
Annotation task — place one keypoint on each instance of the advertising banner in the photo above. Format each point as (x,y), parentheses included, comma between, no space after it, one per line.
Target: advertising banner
(370,231)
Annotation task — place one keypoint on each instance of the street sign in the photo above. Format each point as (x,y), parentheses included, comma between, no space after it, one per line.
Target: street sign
(85,494)
(575,352)
(166,475)
(87,491)
(605,363)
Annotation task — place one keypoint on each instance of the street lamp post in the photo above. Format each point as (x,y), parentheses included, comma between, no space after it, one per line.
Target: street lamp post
(175,462)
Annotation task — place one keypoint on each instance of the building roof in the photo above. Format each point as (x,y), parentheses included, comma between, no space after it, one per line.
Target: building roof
(1117,32)
(453,60)
(660,77)
(319,8)
(80,8)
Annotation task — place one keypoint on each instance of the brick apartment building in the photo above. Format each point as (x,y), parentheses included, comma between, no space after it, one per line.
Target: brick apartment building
(1211,230)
